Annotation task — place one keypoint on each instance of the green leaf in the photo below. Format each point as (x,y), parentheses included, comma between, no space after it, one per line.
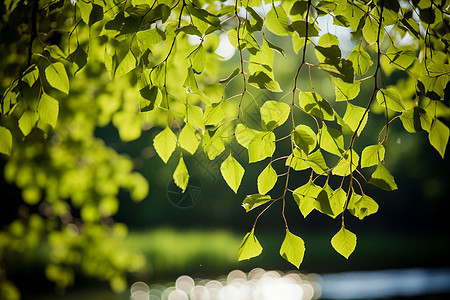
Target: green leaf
(56,76)
(158,75)
(345,91)
(261,146)
(263,81)
(244,135)
(78,58)
(147,39)
(416,120)
(372,155)
(275,47)
(230,77)
(253,201)
(305,196)
(337,202)
(277,21)
(361,59)
(48,110)
(391,99)
(299,26)
(314,104)
(331,140)
(27,121)
(127,64)
(274,114)
(198,59)
(370,30)
(189,29)
(316,161)
(181,175)
(30,75)
(189,139)
(355,117)
(214,114)
(344,242)
(340,68)
(362,206)
(267,179)
(213,143)
(165,143)
(250,246)
(232,172)
(323,200)
(438,136)
(150,98)
(382,178)
(194,116)
(292,249)
(5,141)
(325,7)
(304,138)
(297,161)
(343,167)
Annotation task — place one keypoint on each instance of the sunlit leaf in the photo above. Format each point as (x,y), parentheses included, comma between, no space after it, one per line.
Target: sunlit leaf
(355,117)
(5,141)
(372,155)
(232,172)
(213,143)
(305,196)
(344,242)
(314,104)
(292,249)
(165,143)
(361,60)
(48,109)
(250,246)
(383,179)
(343,167)
(277,21)
(263,81)
(56,76)
(189,138)
(274,114)
(181,175)
(261,146)
(331,140)
(253,201)
(345,91)
(438,136)
(267,179)
(391,99)
(244,135)
(27,121)
(361,206)
(304,138)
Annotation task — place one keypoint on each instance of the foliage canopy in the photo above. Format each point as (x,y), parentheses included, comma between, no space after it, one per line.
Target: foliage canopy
(68,68)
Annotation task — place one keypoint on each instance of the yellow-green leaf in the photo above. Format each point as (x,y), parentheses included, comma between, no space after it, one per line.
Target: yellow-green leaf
(189,138)
(27,121)
(56,76)
(355,117)
(48,109)
(305,138)
(274,114)
(382,178)
(372,155)
(252,201)
(232,172)
(181,175)
(165,143)
(261,146)
(250,246)
(292,249)
(5,141)
(267,179)
(438,136)
(344,242)
(244,135)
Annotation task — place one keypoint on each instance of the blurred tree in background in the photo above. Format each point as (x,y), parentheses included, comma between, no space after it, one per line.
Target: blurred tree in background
(73,73)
